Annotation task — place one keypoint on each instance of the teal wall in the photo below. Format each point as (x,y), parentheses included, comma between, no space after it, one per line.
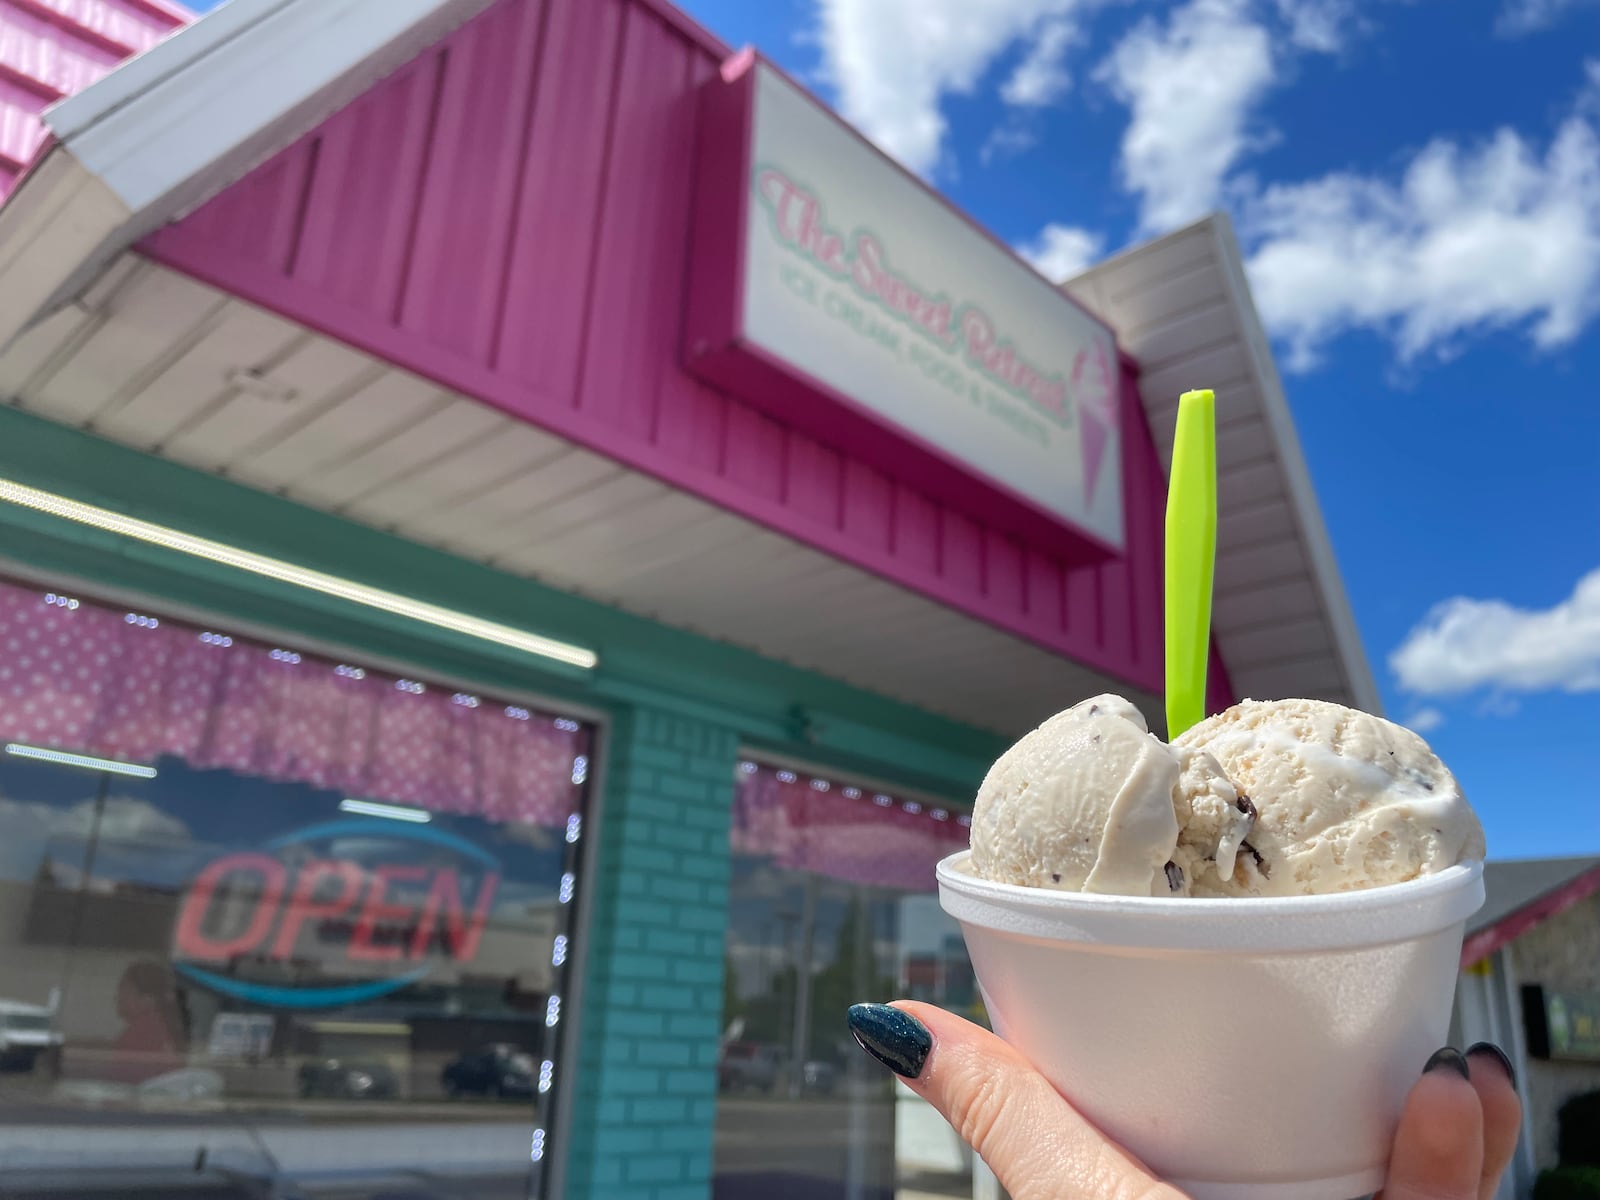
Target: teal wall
(679,706)
(642,1119)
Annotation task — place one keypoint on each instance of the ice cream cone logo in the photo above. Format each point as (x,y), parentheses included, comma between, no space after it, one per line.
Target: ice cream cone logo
(1093,382)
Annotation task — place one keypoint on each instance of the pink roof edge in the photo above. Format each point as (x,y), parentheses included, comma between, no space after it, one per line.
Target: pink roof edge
(177,13)
(61,31)
(1536,912)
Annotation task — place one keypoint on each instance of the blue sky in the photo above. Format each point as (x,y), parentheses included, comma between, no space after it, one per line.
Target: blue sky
(1416,185)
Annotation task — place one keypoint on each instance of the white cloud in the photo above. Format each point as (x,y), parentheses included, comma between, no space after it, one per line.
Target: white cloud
(1062,251)
(1319,25)
(1498,704)
(1424,720)
(1190,85)
(1588,102)
(1520,17)
(1468,240)
(30,828)
(1006,141)
(1041,78)
(1465,644)
(122,818)
(893,62)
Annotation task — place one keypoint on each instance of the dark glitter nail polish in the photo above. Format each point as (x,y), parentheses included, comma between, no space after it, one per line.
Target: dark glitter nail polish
(896,1039)
(1490,1050)
(1448,1058)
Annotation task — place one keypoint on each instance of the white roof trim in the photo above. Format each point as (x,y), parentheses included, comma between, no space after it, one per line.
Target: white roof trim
(1297,476)
(211,95)
(1182,306)
(162,133)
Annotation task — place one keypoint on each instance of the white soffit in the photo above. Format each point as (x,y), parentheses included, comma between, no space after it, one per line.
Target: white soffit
(154,360)
(1182,307)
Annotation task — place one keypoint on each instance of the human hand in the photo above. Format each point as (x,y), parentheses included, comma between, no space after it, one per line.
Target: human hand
(1455,1137)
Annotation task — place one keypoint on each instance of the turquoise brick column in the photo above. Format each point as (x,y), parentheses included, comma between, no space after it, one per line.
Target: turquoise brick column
(644,1106)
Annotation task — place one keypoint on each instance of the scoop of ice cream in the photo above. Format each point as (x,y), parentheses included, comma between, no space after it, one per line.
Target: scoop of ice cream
(1090,801)
(1343,800)
(1083,803)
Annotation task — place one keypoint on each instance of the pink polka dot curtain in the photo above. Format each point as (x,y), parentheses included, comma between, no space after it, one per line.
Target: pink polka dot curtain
(807,823)
(82,677)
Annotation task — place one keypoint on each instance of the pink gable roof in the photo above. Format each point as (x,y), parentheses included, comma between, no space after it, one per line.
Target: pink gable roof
(508,215)
(54,48)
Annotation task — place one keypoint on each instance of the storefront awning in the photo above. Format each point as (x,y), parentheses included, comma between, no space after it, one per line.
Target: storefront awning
(161,362)
(99,337)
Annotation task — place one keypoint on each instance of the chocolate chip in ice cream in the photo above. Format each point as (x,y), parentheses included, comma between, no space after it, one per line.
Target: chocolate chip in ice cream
(1261,863)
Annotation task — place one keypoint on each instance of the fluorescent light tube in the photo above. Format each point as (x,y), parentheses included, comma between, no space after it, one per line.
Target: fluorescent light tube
(88,762)
(372,808)
(284,572)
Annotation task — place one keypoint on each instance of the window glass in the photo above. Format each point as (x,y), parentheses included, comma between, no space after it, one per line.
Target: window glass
(269,916)
(832,902)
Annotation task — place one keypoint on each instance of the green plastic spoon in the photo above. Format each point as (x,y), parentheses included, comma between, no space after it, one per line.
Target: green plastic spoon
(1191,559)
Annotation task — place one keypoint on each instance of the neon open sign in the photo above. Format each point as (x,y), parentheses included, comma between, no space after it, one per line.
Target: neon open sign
(399,898)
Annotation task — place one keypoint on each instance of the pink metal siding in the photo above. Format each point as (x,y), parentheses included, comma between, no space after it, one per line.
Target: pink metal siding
(53,48)
(509,215)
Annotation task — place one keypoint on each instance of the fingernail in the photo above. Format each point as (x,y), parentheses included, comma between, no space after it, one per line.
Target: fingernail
(896,1039)
(1490,1050)
(1448,1058)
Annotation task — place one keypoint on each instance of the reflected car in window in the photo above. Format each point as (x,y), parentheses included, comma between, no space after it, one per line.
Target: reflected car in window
(749,1067)
(337,1079)
(27,1031)
(819,1078)
(500,1070)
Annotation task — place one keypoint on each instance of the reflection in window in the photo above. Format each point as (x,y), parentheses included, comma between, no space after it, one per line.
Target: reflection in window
(832,901)
(290,899)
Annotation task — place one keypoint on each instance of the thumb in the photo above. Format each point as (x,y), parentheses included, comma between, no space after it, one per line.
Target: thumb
(1039,1146)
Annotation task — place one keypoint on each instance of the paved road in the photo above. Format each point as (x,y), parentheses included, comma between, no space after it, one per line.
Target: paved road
(766,1149)
(348,1151)
(775,1149)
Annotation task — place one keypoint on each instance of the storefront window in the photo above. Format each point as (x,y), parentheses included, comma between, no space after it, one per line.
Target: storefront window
(832,902)
(267,915)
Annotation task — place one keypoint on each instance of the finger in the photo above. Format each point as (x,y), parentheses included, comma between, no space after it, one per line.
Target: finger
(1496,1084)
(1438,1147)
(1038,1145)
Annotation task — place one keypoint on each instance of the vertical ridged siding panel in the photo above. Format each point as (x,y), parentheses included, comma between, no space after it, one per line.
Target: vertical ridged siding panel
(54,48)
(509,216)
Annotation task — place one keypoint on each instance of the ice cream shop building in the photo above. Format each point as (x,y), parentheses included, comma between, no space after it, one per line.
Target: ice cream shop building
(519,534)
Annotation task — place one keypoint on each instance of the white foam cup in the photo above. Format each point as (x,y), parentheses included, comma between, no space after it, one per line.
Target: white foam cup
(1244,1049)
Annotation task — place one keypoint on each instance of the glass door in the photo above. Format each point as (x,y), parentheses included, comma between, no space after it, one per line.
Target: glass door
(832,902)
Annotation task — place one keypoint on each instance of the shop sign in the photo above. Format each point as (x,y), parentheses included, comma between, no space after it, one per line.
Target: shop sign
(1573,1022)
(374,900)
(835,289)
